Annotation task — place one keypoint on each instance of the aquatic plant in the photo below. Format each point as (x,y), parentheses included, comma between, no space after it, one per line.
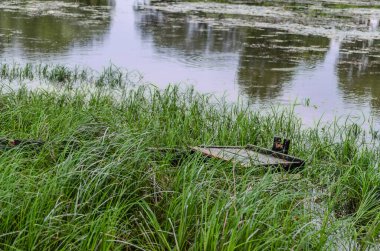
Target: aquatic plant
(95,185)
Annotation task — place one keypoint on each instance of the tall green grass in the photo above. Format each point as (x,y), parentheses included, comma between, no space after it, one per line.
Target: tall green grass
(95,185)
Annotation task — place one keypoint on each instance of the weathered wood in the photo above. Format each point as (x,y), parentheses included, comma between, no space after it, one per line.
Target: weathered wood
(249,156)
(254,156)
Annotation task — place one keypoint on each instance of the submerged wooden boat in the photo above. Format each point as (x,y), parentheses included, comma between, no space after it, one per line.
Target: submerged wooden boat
(249,155)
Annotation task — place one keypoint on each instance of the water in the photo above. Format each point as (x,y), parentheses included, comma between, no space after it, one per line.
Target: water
(326,60)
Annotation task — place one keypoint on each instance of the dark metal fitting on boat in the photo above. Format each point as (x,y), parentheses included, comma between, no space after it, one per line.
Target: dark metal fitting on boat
(281,146)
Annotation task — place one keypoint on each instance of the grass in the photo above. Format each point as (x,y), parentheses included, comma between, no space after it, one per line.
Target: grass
(112,76)
(95,185)
(349,6)
(295,5)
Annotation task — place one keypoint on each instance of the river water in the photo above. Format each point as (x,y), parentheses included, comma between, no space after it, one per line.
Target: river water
(324,58)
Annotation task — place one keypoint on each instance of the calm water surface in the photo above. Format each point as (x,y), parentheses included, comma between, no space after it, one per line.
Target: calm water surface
(327,75)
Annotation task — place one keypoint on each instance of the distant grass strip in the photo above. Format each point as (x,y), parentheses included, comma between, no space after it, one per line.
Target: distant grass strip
(370,5)
(95,185)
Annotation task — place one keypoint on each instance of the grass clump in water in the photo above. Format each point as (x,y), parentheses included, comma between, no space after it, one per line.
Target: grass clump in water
(64,76)
(94,185)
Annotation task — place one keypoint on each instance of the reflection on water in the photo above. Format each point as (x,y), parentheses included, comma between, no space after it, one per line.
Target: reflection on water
(338,76)
(319,85)
(194,44)
(31,28)
(275,66)
(359,73)
(374,24)
(270,59)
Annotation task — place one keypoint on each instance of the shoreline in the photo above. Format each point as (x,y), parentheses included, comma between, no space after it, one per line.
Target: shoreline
(109,191)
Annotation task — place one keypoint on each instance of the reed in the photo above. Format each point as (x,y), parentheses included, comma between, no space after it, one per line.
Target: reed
(95,185)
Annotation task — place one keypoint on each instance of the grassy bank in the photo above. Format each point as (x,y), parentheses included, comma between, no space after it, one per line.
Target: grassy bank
(94,185)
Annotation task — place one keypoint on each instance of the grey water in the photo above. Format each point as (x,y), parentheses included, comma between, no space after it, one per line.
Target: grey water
(271,60)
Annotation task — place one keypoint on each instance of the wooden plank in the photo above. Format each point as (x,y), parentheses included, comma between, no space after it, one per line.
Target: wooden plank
(236,157)
(256,156)
(225,154)
(247,159)
(215,152)
(278,155)
(264,158)
(252,158)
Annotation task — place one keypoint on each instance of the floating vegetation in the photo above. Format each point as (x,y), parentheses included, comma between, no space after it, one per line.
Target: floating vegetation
(316,19)
(55,8)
